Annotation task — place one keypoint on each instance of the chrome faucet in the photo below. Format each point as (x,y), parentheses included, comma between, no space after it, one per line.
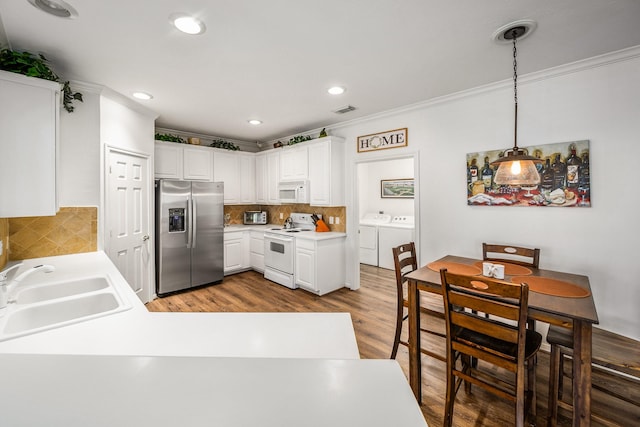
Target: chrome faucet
(7,287)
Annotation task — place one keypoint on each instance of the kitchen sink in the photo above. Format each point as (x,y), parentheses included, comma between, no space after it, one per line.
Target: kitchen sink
(54,305)
(55,314)
(61,289)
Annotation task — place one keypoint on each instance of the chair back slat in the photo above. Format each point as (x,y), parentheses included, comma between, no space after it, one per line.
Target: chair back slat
(499,308)
(482,325)
(528,257)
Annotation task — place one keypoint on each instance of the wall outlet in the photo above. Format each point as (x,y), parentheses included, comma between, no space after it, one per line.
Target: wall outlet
(337,220)
(330,220)
(281,215)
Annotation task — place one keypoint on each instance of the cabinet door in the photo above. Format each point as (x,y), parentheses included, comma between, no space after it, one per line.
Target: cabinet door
(320,174)
(261,179)
(28,145)
(273,177)
(168,160)
(226,168)
(256,246)
(197,164)
(247,178)
(294,164)
(306,268)
(233,255)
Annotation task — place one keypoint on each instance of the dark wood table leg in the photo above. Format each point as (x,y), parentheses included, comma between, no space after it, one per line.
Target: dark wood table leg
(581,373)
(415,365)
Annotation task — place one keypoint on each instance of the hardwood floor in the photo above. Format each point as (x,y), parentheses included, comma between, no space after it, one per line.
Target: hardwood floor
(372,309)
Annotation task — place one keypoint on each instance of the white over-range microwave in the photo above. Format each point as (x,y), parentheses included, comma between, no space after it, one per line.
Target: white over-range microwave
(293,192)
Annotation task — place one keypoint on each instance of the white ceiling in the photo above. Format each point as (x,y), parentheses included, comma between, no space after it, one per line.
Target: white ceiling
(273,60)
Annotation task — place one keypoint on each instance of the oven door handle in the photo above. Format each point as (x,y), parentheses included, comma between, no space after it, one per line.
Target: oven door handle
(279,239)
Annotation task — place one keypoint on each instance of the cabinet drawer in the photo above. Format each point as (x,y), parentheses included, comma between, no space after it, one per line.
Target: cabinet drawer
(305,244)
(233,235)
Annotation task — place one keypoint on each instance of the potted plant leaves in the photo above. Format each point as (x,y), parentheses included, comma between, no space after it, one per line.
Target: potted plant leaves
(28,64)
(169,137)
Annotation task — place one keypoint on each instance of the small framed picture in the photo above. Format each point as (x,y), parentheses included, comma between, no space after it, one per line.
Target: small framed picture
(397,188)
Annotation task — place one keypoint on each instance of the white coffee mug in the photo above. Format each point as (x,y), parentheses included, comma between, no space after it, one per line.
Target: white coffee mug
(498,271)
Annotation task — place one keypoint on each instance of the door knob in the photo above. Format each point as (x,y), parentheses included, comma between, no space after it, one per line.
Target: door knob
(145,238)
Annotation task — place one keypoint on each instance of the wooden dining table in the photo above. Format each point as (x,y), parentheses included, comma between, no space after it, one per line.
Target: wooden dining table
(578,313)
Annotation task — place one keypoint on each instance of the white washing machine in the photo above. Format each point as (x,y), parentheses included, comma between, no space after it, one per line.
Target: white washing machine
(368,230)
(397,232)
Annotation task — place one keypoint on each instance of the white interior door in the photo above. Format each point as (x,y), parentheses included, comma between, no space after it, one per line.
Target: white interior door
(127,219)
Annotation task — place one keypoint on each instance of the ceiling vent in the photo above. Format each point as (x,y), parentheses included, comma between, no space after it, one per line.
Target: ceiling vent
(344,109)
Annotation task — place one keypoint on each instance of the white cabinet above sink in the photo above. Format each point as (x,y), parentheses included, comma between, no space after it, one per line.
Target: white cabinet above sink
(29,115)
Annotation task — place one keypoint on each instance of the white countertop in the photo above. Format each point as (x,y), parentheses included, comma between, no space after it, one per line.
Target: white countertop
(195,369)
(80,391)
(138,332)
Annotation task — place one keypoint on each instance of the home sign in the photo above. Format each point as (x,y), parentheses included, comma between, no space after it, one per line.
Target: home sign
(380,141)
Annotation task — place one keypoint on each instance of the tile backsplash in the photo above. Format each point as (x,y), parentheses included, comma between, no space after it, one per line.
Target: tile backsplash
(72,230)
(274,211)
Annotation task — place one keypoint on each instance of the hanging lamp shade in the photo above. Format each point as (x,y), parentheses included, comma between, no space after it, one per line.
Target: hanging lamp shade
(516,167)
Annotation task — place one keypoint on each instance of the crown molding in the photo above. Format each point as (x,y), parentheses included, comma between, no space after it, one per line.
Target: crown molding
(609,58)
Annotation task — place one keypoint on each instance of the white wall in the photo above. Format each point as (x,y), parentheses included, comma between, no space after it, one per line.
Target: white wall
(79,182)
(598,100)
(369,177)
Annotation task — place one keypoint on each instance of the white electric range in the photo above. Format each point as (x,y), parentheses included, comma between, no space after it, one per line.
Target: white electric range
(279,249)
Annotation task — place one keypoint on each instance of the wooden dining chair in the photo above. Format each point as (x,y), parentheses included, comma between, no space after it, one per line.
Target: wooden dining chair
(615,365)
(431,305)
(528,257)
(495,340)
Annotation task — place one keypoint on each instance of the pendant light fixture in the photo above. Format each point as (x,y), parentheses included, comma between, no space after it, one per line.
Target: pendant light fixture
(516,167)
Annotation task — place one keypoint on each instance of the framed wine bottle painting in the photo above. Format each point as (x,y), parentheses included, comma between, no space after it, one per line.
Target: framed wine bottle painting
(564,179)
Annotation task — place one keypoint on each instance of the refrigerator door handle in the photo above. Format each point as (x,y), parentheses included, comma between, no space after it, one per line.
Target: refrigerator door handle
(189,222)
(194,228)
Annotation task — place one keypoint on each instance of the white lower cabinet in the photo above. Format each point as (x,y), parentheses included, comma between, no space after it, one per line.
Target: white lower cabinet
(236,251)
(256,250)
(320,264)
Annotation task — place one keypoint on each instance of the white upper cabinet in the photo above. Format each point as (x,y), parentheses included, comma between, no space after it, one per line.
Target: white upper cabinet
(197,163)
(168,160)
(181,161)
(226,166)
(247,178)
(267,177)
(294,163)
(238,172)
(261,178)
(273,177)
(326,172)
(29,126)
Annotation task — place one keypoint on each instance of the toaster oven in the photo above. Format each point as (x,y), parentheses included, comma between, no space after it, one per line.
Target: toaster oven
(255,217)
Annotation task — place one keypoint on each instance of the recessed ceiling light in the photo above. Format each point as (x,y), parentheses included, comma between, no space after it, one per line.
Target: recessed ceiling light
(55,7)
(142,95)
(255,122)
(336,90)
(187,24)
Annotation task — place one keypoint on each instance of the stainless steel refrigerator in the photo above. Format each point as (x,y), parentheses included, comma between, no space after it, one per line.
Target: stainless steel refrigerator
(189,234)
